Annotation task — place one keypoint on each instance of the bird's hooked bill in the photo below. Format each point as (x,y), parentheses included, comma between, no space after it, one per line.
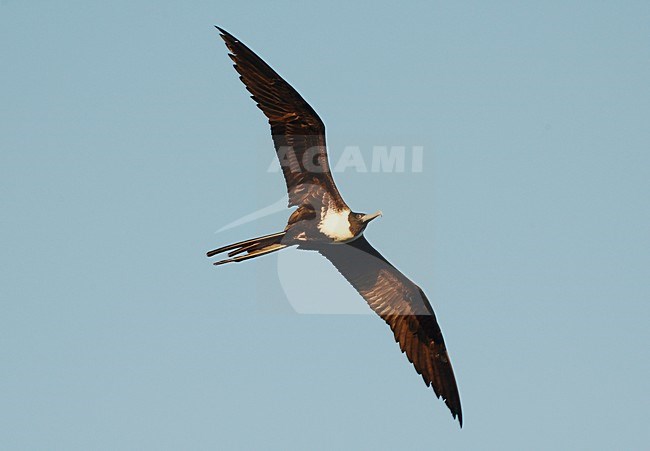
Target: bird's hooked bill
(368,218)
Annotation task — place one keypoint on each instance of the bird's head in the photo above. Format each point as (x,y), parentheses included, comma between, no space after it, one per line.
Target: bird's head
(359,221)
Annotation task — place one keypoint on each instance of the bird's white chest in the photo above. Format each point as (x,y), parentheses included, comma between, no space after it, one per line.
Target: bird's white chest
(335,224)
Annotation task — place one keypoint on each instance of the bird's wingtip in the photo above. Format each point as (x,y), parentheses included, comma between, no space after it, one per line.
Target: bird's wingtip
(223,32)
(457,415)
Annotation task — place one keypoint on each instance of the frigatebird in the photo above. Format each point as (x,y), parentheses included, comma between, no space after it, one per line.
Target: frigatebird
(323,222)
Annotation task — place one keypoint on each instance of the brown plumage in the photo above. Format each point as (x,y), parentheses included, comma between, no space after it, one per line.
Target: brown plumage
(324,223)
(405,308)
(298,133)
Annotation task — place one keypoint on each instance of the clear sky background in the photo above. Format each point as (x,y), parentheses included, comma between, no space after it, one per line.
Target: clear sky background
(127,141)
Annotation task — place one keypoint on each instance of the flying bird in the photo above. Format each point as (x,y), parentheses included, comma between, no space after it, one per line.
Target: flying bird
(324,223)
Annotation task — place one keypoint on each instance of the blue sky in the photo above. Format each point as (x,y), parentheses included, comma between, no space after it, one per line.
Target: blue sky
(127,141)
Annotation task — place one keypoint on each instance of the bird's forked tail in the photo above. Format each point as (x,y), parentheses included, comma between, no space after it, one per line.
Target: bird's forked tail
(254,247)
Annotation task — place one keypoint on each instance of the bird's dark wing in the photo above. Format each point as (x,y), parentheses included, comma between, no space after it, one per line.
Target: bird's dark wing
(405,308)
(298,133)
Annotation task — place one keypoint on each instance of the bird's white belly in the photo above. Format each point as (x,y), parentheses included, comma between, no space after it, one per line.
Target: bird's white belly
(335,224)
